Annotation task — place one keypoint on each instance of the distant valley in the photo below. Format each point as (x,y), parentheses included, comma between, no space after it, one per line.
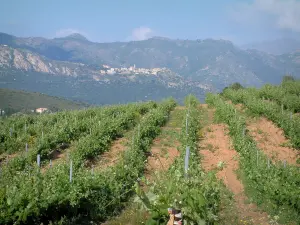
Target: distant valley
(119,72)
(15,101)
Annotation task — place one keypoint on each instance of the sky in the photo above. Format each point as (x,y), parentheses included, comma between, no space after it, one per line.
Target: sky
(240,21)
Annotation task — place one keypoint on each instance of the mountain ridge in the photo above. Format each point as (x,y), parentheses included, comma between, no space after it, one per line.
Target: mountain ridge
(276,47)
(191,65)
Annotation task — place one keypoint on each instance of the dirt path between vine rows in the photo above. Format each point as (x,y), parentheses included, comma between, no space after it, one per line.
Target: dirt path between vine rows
(5,158)
(162,154)
(57,156)
(272,141)
(218,154)
(164,149)
(111,157)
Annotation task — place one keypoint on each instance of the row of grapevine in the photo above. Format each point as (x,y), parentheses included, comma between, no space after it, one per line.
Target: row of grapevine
(196,193)
(272,183)
(271,110)
(281,95)
(292,87)
(30,197)
(94,132)
(46,131)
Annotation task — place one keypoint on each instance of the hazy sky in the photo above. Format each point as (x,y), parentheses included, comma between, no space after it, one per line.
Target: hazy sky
(240,21)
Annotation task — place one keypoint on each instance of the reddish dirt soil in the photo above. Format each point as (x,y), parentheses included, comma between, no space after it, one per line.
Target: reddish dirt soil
(111,157)
(179,107)
(56,157)
(5,157)
(271,140)
(205,106)
(240,107)
(215,148)
(161,157)
(164,150)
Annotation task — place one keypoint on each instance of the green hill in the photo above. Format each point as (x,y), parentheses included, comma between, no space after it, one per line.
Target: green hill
(20,101)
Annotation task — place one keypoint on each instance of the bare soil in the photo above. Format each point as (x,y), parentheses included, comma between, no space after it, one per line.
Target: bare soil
(114,154)
(272,141)
(162,154)
(57,157)
(164,148)
(218,154)
(4,158)
(161,157)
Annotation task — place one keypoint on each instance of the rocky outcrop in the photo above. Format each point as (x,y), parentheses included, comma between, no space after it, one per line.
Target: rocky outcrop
(27,61)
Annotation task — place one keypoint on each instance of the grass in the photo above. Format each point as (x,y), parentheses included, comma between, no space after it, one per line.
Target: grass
(131,215)
(176,118)
(281,215)
(229,212)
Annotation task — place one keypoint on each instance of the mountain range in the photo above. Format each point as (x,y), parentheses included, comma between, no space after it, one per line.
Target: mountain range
(107,73)
(275,47)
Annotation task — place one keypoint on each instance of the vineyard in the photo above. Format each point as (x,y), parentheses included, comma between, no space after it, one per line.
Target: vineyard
(233,160)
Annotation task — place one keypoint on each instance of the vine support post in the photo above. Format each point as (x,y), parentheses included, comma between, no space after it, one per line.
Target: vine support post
(186,161)
(38,160)
(26,147)
(281,108)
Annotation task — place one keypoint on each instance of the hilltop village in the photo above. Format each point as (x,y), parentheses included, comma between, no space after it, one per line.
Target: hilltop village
(130,70)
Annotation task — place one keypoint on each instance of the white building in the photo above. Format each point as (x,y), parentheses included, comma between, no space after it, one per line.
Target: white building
(41,110)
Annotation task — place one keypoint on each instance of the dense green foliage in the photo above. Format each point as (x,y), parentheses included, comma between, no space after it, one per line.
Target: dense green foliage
(277,186)
(287,94)
(234,86)
(30,197)
(287,78)
(12,101)
(271,110)
(196,193)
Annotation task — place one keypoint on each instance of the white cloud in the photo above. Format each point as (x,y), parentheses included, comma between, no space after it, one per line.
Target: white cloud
(283,14)
(141,33)
(68,31)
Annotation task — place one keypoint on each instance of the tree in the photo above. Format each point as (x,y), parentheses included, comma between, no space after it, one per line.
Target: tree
(287,78)
(235,86)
